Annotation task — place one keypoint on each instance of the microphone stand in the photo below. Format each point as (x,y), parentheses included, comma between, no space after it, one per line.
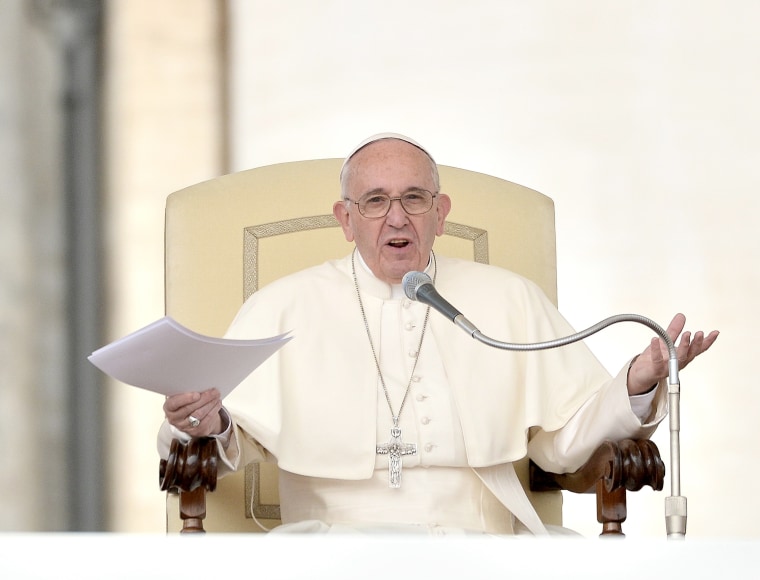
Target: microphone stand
(418,286)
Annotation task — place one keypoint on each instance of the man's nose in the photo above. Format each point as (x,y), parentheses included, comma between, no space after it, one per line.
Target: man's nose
(396,213)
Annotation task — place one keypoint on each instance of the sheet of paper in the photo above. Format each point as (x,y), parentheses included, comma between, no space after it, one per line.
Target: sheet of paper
(168,358)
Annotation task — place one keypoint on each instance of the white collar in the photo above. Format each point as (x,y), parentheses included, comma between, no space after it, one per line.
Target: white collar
(383,289)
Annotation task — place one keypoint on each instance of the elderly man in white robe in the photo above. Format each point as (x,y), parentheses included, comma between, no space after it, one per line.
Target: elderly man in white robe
(382,416)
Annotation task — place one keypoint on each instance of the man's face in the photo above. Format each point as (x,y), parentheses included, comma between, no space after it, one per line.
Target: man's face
(397,243)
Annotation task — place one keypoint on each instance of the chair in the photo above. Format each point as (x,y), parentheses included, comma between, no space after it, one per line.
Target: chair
(229,236)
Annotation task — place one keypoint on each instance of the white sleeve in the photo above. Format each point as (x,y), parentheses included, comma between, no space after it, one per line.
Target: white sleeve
(610,414)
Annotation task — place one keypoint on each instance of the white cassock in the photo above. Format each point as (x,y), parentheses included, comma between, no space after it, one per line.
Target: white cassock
(319,408)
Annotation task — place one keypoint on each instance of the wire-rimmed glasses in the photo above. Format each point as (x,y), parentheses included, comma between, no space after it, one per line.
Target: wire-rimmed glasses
(376,205)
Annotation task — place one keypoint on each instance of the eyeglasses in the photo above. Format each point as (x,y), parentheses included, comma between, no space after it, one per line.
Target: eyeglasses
(377,205)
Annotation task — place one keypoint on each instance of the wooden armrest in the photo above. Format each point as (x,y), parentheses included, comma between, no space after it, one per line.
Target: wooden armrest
(612,469)
(191,471)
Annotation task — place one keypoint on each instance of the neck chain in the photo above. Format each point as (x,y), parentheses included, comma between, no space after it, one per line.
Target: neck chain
(395,448)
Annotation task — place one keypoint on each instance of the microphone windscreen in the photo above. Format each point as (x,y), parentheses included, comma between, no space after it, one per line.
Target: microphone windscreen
(412,282)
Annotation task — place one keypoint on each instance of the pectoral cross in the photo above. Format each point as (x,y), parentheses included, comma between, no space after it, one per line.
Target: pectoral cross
(395,449)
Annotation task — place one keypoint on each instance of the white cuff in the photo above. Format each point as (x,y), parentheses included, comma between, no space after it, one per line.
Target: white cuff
(641,405)
(224,437)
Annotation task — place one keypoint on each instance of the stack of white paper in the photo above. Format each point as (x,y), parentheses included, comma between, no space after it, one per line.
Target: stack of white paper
(168,358)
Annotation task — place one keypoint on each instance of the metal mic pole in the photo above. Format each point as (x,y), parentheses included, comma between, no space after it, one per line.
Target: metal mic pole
(675,504)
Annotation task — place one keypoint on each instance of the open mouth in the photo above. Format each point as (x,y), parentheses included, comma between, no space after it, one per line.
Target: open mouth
(398,243)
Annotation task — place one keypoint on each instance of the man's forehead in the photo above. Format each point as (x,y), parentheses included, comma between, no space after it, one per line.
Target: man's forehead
(381,137)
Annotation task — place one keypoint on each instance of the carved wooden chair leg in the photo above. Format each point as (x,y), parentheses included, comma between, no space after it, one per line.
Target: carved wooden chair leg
(191,471)
(192,510)
(611,509)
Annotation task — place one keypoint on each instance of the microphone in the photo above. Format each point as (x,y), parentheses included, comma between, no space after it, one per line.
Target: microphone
(418,286)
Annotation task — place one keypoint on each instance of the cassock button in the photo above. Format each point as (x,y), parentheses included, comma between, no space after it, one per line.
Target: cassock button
(429,447)
(421,397)
(413,353)
(410,326)
(425,420)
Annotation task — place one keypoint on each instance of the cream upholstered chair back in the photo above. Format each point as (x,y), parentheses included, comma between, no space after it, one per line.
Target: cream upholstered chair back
(229,236)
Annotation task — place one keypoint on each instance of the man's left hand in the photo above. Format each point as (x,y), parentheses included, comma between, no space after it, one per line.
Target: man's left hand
(651,366)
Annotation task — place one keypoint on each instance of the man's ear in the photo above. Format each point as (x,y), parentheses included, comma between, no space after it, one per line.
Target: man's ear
(340,211)
(443,208)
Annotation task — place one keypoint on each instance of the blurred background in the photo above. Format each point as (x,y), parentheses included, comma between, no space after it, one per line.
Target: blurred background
(640,118)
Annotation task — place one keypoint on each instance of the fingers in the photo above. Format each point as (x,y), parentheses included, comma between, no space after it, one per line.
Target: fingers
(206,411)
(185,410)
(709,340)
(682,349)
(655,348)
(696,346)
(676,326)
(210,421)
(689,347)
(175,403)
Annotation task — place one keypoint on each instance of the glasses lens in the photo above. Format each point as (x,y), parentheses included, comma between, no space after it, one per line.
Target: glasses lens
(374,205)
(416,202)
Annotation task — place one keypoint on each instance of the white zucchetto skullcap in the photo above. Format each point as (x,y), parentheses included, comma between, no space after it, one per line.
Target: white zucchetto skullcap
(380,137)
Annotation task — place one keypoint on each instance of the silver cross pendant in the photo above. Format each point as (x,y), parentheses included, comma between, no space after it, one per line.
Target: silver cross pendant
(395,449)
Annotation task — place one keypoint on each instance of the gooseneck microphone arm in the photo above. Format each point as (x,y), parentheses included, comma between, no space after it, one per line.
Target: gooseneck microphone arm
(418,286)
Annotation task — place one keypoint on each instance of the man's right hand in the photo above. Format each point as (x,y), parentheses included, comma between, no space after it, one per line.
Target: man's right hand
(181,410)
